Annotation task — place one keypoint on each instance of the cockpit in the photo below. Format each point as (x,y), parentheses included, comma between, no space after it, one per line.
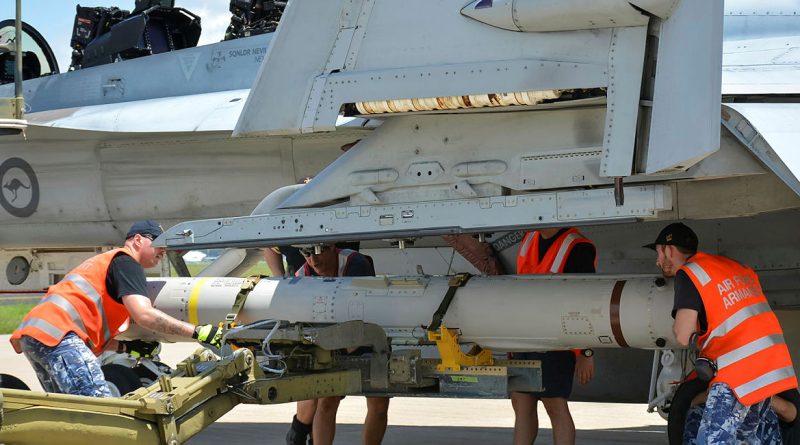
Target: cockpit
(37,57)
(103,35)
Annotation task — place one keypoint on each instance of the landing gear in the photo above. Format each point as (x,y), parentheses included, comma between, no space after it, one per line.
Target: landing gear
(680,405)
(121,379)
(10,382)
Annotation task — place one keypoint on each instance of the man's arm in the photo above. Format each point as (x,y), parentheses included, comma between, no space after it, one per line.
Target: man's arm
(685,325)
(584,368)
(275,262)
(144,314)
(785,410)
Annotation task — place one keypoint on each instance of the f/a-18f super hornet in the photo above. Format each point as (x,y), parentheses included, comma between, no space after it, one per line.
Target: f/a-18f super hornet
(488,117)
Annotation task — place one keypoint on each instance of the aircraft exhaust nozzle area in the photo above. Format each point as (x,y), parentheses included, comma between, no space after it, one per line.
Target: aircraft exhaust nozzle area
(562,15)
(504,313)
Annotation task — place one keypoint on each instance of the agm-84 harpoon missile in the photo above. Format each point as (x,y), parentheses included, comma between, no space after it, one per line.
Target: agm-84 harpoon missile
(561,15)
(502,313)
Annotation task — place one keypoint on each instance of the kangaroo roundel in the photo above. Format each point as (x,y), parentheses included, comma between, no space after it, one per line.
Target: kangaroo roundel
(19,188)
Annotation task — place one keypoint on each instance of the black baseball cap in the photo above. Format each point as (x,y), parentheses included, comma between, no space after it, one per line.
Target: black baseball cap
(145,227)
(676,234)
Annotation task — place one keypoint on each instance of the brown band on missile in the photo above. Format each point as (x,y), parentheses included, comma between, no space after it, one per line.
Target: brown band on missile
(616,327)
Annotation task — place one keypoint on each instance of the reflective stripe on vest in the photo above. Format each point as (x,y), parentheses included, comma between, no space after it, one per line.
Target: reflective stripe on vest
(47,327)
(735,320)
(526,244)
(92,293)
(749,349)
(561,256)
(554,259)
(43,326)
(67,307)
(699,272)
(764,381)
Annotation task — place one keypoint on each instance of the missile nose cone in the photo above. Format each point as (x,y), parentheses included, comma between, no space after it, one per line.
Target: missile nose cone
(497,13)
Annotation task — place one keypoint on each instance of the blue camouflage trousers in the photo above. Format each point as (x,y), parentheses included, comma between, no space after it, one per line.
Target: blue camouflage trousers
(69,367)
(724,420)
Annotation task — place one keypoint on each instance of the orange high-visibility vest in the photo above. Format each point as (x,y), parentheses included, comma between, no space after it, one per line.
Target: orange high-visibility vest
(556,257)
(344,257)
(79,303)
(744,336)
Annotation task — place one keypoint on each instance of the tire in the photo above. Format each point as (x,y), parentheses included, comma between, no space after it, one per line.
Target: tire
(10,382)
(680,407)
(146,377)
(121,379)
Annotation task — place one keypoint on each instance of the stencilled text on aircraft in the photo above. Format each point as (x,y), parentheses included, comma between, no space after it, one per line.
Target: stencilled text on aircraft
(257,53)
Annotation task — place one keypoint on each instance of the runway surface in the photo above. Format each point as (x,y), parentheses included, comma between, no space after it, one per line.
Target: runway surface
(411,420)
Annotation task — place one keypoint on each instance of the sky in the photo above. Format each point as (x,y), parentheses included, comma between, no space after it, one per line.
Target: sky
(54,19)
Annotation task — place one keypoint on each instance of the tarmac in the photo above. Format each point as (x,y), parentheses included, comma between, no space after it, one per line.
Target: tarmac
(412,420)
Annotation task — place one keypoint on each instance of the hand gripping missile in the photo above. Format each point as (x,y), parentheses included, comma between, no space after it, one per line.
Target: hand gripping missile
(504,313)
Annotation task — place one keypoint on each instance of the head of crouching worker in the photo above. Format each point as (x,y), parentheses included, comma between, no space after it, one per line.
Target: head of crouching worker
(322,259)
(327,260)
(675,245)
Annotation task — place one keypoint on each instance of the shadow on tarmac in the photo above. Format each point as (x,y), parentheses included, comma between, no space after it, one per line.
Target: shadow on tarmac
(273,434)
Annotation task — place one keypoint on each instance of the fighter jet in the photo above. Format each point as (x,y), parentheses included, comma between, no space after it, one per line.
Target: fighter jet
(489,118)
(614,116)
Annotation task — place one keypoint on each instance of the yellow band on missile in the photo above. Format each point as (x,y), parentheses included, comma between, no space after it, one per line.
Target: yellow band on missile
(193,299)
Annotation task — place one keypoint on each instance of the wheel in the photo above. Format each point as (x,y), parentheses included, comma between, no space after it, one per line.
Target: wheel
(10,382)
(121,379)
(145,375)
(680,407)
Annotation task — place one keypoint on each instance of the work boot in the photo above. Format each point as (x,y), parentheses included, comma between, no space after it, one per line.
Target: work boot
(298,433)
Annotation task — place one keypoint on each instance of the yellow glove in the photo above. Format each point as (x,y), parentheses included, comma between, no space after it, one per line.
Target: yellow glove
(208,334)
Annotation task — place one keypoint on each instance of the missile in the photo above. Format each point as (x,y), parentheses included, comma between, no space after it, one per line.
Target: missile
(560,15)
(502,313)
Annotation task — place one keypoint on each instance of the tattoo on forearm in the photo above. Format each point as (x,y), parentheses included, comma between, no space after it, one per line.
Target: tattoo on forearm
(168,325)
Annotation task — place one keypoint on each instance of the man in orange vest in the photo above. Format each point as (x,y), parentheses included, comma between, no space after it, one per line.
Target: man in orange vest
(319,415)
(739,340)
(551,251)
(80,315)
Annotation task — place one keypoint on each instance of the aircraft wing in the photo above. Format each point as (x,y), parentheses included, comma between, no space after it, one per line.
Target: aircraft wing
(769,66)
(217,111)
(770,132)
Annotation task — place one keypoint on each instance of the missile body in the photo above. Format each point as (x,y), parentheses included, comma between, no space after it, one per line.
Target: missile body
(504,313)
(562,15)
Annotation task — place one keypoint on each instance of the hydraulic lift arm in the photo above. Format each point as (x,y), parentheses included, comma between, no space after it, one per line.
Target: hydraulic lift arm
(170,411)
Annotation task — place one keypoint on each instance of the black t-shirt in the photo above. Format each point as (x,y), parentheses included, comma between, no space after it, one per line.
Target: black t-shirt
(125,277)
(688,297)
(580,259)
